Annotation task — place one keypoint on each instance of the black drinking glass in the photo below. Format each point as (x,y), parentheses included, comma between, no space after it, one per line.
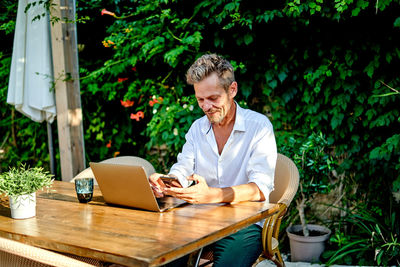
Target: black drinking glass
(84,189)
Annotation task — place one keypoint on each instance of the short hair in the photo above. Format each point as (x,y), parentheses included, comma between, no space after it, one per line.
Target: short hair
(208,64)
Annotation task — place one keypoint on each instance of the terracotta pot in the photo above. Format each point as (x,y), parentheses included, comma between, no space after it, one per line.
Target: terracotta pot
(23,207)
(307,249)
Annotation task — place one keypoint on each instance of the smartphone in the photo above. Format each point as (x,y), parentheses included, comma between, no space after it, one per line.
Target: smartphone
(168,179)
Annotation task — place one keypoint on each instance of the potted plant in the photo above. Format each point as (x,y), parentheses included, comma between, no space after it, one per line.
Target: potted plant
(20,185)
(307,241)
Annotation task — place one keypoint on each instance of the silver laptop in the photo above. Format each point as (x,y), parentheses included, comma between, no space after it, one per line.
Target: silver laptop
(128,185)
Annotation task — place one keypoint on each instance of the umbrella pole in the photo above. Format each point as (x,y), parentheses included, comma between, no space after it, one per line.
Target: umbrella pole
(51,147)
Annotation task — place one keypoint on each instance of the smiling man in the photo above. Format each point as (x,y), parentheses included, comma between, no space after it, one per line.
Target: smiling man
(229,156)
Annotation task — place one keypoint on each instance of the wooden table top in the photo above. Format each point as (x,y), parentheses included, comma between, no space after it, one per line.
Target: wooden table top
(122,235)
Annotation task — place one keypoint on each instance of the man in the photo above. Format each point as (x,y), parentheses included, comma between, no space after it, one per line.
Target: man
(229,156)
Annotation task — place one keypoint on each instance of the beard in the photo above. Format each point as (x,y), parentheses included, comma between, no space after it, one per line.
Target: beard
(215,118)
(216,115)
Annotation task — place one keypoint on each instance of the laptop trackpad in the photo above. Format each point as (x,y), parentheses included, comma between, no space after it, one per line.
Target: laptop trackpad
(166,203)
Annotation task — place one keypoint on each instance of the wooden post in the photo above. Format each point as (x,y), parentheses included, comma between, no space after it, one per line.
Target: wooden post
(68,101)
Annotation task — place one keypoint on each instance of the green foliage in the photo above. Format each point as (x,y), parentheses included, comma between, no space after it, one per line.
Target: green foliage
(312,66)
(181,115)
(371,240)
(8,17)
(316,165)
(24,180)
(304,83)
(312,157)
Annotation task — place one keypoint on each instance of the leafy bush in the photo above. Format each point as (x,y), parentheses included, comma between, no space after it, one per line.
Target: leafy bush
(364,238)
(311,154)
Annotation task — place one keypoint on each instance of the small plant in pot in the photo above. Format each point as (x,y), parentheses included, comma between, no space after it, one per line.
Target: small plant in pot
(20,185)
(307,241)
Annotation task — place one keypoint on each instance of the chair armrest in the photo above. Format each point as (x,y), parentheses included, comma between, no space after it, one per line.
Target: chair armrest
(271,229)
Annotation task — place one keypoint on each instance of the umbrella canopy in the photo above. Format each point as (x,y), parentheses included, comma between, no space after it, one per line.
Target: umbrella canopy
(30,87)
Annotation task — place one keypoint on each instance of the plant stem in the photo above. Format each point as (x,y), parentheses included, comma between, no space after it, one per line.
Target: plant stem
(300,208)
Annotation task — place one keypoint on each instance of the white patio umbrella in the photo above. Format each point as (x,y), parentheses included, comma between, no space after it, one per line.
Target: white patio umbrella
(30,87)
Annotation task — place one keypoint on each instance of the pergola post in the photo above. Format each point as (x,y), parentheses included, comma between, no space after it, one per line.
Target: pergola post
(67,90)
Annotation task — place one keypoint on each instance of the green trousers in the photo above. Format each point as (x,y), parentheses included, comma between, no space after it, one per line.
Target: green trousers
(240,249)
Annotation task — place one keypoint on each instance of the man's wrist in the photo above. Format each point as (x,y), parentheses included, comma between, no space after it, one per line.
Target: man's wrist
(222,195)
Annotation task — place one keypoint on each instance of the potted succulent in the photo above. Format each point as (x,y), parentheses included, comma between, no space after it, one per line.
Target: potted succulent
(20,185)
(307,241)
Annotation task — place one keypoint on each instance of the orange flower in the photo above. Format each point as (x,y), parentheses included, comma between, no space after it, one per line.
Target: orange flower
(108,144)
(108,43)
(116,153)
(137,116)
(106,12)
(105,44)
(127,103)
(120,80)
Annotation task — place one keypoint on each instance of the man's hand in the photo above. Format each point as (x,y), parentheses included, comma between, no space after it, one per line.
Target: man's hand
(198,193)
(158,186)
(202,193)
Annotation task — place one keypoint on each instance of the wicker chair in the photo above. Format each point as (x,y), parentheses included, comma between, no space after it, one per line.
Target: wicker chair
(285,188)
(16,254)
(126,160)
(286,185)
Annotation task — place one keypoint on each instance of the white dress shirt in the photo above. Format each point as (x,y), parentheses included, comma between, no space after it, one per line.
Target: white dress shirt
(249,155)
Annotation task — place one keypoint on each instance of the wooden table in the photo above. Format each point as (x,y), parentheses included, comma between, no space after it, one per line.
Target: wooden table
(122,235)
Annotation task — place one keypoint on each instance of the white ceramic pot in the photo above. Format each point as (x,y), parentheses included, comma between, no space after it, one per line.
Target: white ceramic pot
(23,207)
(307,249)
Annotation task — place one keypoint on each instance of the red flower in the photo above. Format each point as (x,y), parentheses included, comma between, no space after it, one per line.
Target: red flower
(155,100)
(137,116)
(106,12)
(134,68)
(127,103)
(151,102)
(120,80)
(108,144)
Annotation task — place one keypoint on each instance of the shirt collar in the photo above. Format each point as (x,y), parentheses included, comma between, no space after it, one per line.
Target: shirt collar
(239,121)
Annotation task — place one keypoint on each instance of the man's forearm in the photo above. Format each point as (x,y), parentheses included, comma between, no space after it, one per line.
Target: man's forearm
(244,192)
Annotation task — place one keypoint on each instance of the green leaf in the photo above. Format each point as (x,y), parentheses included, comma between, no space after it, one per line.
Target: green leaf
(273,84)
(172,56)
(282,76)
(248,39)
(337,120)
(397,22)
